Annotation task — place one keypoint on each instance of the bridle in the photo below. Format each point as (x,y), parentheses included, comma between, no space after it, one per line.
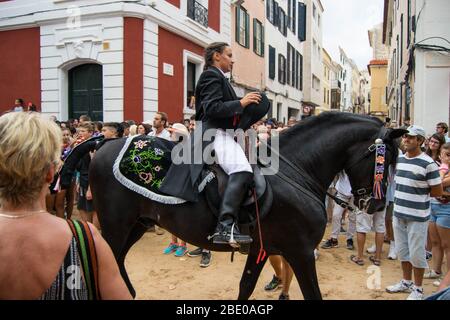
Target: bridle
(359,192)
(366,194)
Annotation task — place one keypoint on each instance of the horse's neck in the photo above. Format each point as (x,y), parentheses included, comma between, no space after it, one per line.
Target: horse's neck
(321,154)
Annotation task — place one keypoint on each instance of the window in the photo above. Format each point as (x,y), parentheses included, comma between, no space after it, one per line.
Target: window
(294,67)
(314,11)
(324,95)
(197,12)
(270,112)
(398,56)
(292,9)
(272,55)
(191,80)
(282,26)
(408,38)
(316,83)
(276,14)
(242,27)
(401,39)
(279,109)
(290,52)
(269,10)
(299,71)
(318,20)
(258,37)
(281,69)
(314,47)
(293,71)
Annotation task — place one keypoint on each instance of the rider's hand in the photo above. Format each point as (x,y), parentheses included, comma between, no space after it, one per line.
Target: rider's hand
(252,97)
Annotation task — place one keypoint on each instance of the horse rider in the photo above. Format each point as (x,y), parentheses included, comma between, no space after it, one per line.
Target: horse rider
(218,107)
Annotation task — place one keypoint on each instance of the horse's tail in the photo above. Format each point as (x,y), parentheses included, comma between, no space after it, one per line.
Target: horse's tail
(74,157)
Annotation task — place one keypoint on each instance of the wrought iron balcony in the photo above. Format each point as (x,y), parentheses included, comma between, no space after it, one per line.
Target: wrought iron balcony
(197,12)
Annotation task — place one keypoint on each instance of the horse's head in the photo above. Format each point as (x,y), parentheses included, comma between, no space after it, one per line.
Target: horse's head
(368,167)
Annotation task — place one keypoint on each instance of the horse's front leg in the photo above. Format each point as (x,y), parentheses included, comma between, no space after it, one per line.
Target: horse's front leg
(251,273)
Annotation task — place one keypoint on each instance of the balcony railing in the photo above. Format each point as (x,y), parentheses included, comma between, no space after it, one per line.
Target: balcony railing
(197,12)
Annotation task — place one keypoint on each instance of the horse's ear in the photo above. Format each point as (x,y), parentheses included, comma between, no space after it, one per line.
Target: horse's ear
(395,133)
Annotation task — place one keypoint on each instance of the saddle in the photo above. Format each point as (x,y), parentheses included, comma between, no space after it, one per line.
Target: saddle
(217,183)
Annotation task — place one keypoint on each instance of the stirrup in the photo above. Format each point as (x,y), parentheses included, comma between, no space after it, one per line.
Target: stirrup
(233,242)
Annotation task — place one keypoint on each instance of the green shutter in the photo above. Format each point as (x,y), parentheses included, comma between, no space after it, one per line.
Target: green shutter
(238,20)
(254,35)
(301,72)
(247,30)
(262,40)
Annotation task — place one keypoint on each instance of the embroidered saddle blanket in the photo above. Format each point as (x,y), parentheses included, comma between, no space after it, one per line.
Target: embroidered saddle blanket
(142,165)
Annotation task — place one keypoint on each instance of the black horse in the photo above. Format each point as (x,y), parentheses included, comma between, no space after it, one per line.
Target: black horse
(312,153)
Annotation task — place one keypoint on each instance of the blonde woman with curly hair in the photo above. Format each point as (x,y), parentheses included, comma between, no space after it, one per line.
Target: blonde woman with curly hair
(40,254)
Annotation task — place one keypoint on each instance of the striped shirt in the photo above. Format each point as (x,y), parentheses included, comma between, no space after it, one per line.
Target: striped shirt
(414,178)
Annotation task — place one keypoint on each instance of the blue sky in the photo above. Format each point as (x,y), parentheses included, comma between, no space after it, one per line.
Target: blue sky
(345,24)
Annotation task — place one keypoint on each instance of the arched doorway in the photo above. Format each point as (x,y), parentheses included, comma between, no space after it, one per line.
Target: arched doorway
(86,91)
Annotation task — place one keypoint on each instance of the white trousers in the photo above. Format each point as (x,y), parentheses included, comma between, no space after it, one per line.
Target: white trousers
(229,154)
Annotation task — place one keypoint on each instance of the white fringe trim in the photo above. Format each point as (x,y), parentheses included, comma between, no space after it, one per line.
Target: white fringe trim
(137,188)
(205,181)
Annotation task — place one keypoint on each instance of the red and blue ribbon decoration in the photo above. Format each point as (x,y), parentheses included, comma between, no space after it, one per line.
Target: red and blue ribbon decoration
(380,153)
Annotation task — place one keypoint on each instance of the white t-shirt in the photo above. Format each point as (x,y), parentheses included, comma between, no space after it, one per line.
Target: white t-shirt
(164,134)
(343,185)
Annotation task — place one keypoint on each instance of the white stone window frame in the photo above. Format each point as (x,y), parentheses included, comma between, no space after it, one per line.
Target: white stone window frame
(199,62)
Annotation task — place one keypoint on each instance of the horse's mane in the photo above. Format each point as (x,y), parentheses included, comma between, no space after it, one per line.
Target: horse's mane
(324,120)
(311,139)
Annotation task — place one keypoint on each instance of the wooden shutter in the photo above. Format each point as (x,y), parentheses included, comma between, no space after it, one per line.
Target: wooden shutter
(301,22)
(301,72)
(238,25)
(272,55)
(262,41)
(247,30)
(275,14)
(255,26)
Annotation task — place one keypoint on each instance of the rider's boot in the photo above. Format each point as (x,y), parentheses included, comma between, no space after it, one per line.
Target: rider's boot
(227,231)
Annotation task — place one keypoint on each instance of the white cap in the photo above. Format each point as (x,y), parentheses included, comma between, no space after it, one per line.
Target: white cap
(416,131)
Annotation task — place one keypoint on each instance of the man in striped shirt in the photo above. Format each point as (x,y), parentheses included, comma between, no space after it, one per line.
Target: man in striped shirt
(417,179)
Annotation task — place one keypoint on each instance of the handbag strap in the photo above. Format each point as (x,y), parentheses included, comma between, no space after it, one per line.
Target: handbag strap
(88,256)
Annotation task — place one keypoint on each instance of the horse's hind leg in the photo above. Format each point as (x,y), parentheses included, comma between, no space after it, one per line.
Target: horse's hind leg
(135,234)
(118,218)
(304,266)
(250,275)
